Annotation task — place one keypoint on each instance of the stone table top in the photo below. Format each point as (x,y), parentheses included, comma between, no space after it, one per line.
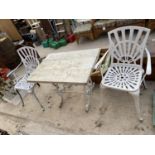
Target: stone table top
(66,67)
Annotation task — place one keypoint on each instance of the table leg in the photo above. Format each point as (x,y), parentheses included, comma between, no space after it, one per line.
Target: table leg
(60,89)
(88,92)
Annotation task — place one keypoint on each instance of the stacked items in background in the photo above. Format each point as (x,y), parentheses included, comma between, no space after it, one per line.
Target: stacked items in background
(52,33)
(60,35)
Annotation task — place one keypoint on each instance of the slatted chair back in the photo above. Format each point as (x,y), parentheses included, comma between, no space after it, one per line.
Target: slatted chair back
(29,57)
(127,44)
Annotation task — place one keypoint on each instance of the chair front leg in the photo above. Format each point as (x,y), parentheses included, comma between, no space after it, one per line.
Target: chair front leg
(20,97)
(144,83)
(136,98)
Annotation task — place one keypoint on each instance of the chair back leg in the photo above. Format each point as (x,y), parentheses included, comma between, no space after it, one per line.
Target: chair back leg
(136,98)
(20,97)
(33,92)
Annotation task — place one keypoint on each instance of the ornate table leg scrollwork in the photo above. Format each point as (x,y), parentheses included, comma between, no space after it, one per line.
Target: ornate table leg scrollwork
(88,92)
(60,89)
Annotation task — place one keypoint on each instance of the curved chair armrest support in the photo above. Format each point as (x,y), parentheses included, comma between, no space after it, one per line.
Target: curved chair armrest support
(41,59)
(99,63)
(13,72)
(148,67)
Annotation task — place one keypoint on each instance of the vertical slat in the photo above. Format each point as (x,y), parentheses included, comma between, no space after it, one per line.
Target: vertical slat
(131,31)
(29,57)
(32,56)
(136,41)
(124,43)
(118,43)
(129,47)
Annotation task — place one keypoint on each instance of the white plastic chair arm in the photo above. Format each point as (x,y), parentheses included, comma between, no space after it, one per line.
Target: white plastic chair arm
(98,64)
(14,70)
(148,67)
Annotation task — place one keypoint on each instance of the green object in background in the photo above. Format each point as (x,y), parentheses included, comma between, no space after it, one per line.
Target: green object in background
(50,40)
(54,44)
(62,42)
(45,43)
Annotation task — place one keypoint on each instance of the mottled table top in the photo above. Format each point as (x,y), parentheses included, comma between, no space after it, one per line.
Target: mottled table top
(66,67)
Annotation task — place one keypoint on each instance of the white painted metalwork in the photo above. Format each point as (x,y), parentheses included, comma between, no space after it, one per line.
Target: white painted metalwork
(123,76)
(66,69)
(127,46)
(29,58)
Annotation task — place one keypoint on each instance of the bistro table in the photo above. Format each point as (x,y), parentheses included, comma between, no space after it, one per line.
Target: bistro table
(65,68)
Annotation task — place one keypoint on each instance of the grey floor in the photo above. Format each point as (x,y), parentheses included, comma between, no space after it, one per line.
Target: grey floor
(113,114)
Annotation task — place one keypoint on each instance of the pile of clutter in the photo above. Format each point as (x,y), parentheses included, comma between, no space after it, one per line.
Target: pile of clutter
(6,85)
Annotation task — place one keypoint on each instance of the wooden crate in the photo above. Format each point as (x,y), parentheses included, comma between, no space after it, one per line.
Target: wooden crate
(96,76)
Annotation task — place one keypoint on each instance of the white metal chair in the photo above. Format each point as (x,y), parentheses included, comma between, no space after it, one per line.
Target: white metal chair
(126,73)
(29,58)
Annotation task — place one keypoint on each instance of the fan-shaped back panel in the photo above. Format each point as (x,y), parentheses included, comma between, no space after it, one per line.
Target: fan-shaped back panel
(29,57)
(127,44)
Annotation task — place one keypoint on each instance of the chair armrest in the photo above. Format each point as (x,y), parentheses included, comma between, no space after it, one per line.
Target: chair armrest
(99,63)
(13,72)
(148,67)
(41,59)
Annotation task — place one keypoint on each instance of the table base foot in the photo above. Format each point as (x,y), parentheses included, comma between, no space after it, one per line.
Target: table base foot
(88,92)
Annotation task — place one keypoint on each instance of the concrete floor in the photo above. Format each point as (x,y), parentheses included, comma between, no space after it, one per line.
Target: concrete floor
(114,114)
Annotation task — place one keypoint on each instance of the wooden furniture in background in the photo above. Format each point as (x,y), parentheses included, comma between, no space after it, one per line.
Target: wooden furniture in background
(104,25)
(83,28)
(33,23)
(150,23)
(7,26)
(8,55)
(22,26)
(44,23)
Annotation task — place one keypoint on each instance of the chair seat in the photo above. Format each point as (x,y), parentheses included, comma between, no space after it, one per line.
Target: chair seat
(83,28)
(24,85)
(126,77)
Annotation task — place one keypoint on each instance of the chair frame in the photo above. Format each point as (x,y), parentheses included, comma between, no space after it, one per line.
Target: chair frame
(128,52)
(29,58)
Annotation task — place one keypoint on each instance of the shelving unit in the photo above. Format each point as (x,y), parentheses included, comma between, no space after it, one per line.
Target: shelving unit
(22,26)
(58,28)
